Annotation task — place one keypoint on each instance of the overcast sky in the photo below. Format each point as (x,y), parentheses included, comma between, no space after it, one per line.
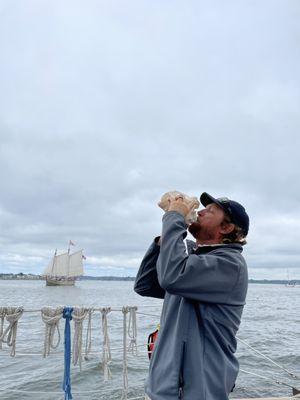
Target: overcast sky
(106,105)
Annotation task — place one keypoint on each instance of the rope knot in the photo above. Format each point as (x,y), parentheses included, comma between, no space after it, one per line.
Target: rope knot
(125,309)
(105,310)
(67,313)
(51,317)
(9,336)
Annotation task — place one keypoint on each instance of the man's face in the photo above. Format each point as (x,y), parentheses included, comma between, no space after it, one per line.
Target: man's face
(208,224)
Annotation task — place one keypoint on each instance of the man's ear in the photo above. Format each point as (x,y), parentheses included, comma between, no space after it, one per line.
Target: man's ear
(226,227)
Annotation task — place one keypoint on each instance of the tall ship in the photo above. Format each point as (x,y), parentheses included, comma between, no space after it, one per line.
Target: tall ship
(64,268)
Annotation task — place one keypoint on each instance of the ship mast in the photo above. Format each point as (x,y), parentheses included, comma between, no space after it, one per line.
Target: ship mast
(53,261)
(68,272)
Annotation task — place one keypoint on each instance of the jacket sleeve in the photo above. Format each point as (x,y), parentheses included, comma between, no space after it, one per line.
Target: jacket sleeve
(207,277)
(146,282)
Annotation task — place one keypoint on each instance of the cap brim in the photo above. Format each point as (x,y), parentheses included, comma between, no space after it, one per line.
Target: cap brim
(206,199)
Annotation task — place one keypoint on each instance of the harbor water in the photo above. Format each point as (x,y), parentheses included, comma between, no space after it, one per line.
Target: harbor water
(270,324)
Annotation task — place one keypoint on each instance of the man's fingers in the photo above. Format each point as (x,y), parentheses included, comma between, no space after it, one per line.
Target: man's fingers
(179,198)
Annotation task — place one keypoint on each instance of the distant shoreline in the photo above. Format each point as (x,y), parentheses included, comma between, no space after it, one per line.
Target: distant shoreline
(32,277)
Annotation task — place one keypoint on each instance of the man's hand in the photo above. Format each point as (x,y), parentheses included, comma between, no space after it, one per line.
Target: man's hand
(181,206)
(181,203)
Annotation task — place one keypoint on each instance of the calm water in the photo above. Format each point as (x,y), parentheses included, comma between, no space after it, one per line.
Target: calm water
(271,324)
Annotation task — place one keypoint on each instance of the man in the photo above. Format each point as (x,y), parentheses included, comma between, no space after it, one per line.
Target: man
(204,294)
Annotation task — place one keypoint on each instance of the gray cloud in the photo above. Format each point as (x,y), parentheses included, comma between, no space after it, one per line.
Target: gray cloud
(106,106)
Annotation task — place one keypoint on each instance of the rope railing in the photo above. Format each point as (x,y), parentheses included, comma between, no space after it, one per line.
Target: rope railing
(113,308)
(51,317)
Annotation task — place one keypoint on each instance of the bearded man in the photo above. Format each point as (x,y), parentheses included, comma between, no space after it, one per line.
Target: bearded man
(204,289)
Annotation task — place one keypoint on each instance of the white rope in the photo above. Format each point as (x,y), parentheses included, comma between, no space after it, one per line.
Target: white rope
(125,311)
(268,379)
(78,315)
(51,317)
(268,358)
(132,331)
(106,353)
(2,316)
(9,335)
(88,341)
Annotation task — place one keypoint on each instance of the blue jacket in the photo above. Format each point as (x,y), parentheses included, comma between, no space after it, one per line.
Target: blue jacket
(193,358)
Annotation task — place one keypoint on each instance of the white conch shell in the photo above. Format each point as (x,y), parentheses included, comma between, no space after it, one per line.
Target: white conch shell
(191,202)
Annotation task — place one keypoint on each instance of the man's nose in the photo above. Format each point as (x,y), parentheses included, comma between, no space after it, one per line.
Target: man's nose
(200,213)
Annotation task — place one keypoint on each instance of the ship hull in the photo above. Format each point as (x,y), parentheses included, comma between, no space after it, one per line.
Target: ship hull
(60,282)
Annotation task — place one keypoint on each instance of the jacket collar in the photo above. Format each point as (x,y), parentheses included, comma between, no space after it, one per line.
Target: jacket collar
(206,248)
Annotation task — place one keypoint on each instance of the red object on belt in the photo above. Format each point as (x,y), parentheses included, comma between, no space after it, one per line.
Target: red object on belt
(151,340)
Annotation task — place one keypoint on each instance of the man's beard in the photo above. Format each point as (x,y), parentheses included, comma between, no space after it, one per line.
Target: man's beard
(200,232)
(195,229)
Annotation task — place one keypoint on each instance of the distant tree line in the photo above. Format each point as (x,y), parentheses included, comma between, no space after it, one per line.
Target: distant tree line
(21,275)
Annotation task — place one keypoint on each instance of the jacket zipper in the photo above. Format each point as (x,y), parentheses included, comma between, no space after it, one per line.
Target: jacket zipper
(181,383)
(180,394)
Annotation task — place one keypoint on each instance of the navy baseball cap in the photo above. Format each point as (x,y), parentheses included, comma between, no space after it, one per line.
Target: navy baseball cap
(233,209)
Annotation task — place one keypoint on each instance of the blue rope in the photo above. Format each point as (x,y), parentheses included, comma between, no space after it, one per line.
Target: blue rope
(67,314)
